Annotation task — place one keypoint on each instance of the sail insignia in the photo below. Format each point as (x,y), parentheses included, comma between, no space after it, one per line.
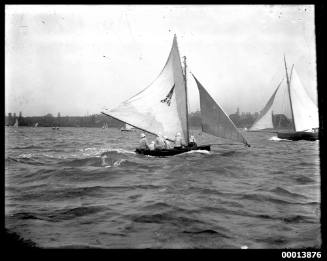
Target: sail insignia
(168,96)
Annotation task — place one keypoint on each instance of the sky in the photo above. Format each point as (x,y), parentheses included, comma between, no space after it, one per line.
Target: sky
(79,59)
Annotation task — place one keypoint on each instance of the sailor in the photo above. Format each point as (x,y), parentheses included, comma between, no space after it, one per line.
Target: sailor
(178,143)
(159,142)
(143,142)
(192,142)
(167,143)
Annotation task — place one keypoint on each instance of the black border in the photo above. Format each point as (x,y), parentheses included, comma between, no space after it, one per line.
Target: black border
(13,245)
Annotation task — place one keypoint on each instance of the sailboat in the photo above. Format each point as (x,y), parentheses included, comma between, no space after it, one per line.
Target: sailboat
(16,124)
(290,112)
(162,108)
(105,126)
(127,127)
(36,125)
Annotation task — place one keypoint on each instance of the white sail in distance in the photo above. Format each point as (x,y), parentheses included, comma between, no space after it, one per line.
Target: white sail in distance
(214,120)
(304,110)
(161,107)
(264,120)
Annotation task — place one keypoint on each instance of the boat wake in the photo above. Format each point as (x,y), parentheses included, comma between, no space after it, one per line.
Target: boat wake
(114,157)
(275,138)
(108,163)
(198,151)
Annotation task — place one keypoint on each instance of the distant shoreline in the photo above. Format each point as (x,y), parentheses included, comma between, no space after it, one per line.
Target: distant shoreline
(100,120)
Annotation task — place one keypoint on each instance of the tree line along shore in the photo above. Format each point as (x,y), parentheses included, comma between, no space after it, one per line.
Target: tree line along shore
(244,120)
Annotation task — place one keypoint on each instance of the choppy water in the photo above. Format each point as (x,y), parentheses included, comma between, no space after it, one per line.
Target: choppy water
(58,192)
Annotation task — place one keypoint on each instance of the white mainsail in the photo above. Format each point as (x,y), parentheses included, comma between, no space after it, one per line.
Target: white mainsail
(304,110)
(161,107)
(214,120)
(16,123)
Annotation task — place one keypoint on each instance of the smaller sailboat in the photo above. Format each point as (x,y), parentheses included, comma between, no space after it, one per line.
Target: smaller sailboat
(127,127)
(290,112)
(16,124)
(36,125)
(105,126)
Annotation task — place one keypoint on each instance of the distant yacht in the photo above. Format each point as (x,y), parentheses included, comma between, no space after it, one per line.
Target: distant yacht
(36,124)
(290,112)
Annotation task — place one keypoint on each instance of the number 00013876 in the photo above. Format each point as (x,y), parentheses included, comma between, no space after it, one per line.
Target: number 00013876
(301,254)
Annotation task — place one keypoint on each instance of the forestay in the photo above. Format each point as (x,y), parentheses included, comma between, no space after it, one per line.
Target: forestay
(161,107)
(214,120)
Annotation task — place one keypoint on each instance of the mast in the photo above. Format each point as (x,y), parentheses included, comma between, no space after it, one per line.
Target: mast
(185,80)
(289,91)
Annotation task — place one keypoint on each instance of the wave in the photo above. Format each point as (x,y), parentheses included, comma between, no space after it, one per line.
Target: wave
(27,147)
(204,190)
(294,219)
(60,194)
(285,192)
(304,180)
(28,159)
(166,217)
(25,156)
(116,163)
(207,232)
(60,215)
(81,162)
(157,206)
(268,198)
(75,192)
(118,151)
(105,160)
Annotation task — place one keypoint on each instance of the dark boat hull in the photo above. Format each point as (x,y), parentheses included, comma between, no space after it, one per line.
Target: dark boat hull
(298,135)
(171,152)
